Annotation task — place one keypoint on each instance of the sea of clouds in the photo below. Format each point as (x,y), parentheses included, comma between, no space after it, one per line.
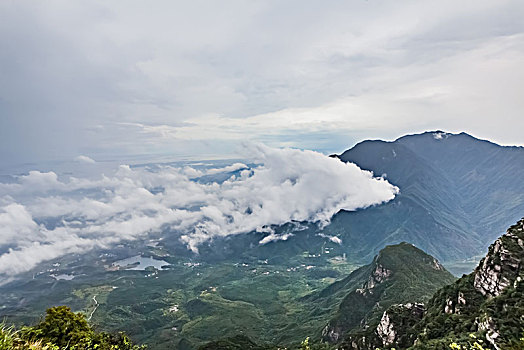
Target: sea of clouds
(44,216)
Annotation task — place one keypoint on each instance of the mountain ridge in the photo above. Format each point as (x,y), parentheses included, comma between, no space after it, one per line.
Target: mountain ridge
(453,187)
(443,208)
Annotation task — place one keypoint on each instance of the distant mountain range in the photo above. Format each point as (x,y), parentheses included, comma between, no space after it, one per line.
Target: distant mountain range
(357,283)
(457,194)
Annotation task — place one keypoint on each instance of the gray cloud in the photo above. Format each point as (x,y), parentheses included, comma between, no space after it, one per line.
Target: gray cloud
(288,185)
(105,79)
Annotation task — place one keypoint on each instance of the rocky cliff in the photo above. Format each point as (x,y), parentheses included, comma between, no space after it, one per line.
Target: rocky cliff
(487,304)
(396,322)
(503,264)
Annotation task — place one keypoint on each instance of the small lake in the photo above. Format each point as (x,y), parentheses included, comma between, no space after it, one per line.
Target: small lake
(140,263)
(64,277)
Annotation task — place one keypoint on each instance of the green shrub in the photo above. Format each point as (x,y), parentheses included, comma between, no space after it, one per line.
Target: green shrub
(62,329)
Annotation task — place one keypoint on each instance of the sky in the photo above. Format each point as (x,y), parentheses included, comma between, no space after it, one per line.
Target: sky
(195,79)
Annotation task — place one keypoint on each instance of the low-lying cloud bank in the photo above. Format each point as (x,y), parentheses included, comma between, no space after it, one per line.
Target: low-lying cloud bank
(287,185)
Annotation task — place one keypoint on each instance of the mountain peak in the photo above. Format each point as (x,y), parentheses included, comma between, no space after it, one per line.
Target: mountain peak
(432,134)
(456,194)
(405,255)
(382,283)
(456,142)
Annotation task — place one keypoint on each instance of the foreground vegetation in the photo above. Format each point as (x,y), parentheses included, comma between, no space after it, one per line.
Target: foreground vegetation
(259,305)
(62,329)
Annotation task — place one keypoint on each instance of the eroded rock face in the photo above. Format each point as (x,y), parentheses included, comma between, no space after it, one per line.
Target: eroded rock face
(385,330)
(437,265)
(454,306)
(379,275)
(395,318)
(335,331)
(501,268)
(491,332)
(331,334)
(449,309)
(503,263)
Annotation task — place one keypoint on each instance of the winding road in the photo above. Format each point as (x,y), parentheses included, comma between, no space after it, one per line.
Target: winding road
(96,307)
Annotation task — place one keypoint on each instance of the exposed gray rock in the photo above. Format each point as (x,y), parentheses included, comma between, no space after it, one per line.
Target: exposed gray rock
(453,306)
(331,334)
(437,265)
(501,267)
(491,332)
(379,275)
(389,327)
(385,330)
(449,309)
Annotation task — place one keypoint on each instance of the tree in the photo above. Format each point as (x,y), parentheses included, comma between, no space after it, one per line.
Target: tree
(62,328)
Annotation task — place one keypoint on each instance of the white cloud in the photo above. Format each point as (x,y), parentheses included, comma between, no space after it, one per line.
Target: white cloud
(227,169)
(333,239)
(288,185)
(16,224)
(273,237)
(85,159)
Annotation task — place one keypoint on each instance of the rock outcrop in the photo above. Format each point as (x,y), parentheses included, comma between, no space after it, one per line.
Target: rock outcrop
(489,327)
(453,306)
(488,303)
(379,275)
(503,264)
(386,330)
(397,320)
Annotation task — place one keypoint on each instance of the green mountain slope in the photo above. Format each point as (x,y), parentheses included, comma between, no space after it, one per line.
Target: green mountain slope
(488,302)
(399,273)
(485,307)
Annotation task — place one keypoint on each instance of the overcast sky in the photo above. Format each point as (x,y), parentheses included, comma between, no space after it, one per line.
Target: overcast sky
(193,79)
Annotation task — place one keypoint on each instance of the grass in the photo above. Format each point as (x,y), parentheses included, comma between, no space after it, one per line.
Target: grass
(8,337)
(10,340)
